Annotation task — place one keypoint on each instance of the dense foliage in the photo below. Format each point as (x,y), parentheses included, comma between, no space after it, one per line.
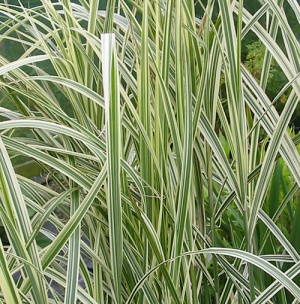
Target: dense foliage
(176,174)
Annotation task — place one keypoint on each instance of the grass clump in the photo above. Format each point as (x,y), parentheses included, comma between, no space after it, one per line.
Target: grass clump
(168,151)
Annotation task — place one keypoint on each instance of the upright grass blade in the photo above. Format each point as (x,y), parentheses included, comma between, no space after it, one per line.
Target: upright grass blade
(113,137)
(74,249)
(144,110)
(184,97)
